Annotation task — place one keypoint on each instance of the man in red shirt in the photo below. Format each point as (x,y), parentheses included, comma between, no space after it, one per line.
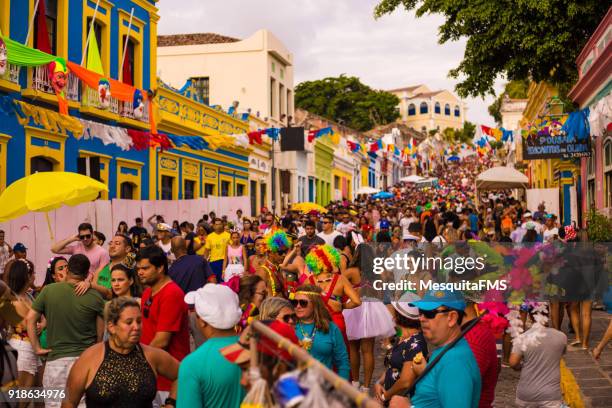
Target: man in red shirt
(482,343)
(164,312)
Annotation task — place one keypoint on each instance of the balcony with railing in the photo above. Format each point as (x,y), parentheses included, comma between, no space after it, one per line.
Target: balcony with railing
(41,81)
(11,74)
(91,99)
(126,110)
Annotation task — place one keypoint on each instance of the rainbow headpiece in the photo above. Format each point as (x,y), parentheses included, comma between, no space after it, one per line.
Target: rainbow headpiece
(59,65)
(277,241)
(322,258)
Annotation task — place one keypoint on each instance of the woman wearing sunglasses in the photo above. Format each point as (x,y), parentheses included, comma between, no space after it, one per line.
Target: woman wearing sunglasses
(323,262)
(277,308)
(317,333)
(251,292)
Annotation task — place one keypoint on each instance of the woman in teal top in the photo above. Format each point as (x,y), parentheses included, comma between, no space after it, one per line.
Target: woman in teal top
(317,333)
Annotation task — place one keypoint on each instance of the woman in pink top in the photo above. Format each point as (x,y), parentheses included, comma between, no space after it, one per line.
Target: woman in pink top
(235,262)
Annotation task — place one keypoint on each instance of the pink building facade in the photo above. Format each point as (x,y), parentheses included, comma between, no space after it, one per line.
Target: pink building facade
(593,90)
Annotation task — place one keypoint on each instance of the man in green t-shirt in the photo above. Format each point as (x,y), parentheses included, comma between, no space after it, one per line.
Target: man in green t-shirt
(118,249)
(73,323)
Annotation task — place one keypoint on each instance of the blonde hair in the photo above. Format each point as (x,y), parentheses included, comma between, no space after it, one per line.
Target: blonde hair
(320,313)
(271,307)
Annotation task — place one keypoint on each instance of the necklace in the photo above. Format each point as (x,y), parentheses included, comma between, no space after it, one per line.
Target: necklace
(272,281)
(307,340)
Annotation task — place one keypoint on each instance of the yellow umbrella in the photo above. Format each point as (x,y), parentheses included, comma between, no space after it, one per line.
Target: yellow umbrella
(308,207)
(46,191)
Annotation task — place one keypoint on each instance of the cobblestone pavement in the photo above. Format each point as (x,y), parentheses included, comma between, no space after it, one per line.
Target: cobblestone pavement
(593,377)
(504,392)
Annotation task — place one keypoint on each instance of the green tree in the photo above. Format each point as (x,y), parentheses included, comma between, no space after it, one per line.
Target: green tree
(463,135)
(515,90)
(516,39)
(347,100)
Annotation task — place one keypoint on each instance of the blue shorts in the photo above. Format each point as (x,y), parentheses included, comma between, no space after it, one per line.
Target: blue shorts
(217,268)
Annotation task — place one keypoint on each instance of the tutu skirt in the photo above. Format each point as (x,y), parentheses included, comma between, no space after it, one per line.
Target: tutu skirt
(371,319)
(232,270)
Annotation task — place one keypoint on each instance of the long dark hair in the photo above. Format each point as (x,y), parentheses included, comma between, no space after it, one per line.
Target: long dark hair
(19,276)
(51,270)
(135,289)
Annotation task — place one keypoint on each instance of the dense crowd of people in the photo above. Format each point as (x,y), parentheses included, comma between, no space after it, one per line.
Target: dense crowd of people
(161,314)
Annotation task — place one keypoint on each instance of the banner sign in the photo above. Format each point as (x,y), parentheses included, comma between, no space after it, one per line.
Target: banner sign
(562,146)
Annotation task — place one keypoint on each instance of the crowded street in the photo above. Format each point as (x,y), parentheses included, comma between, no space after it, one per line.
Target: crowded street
(393,204)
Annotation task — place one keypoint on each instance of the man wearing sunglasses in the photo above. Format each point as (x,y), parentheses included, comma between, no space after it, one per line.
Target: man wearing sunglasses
(83,243)
(454,381)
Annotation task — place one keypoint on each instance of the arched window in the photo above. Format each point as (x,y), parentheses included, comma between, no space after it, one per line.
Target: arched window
(127,190)
(411,110)
(447,109)
(40,164)
(437,108)
(457,111)
(423,108)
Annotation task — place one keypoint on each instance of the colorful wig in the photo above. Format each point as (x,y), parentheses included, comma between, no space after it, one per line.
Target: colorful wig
(277,241)
(322,258)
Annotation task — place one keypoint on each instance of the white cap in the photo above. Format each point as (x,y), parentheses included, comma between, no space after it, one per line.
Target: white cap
(527,214)
(216,304)
(405,307)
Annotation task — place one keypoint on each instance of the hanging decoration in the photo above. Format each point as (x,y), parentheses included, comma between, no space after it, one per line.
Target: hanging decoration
(107,134)
(193,142)
(160,140)
(42,33)
(3,58)
(255,137)
(577,125)
(219,141)
(49,120)
(140,139)
(273,133)
(600,116)
(104,93)
(58,73)
(24,56)
(138,104)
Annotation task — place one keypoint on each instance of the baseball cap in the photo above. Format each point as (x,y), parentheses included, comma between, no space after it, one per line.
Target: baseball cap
(384,224)
(238,353)
(434,299)
(19,247)
(527,215)
(163,227)
(216,304)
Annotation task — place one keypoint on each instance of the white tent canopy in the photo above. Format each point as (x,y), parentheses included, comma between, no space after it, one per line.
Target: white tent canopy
(498,178)
(367,190)
(412,179)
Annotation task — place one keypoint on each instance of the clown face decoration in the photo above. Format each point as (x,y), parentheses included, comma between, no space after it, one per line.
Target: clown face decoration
(104,93)
(58,74)
(3,62)
(137,104)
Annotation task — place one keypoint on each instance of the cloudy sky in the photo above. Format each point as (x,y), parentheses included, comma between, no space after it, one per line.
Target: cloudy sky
(329,38)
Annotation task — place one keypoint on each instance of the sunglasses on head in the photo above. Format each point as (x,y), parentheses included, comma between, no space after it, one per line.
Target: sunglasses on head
(147,307)
(431,314)
(303,303)
(290,318)
(85,236)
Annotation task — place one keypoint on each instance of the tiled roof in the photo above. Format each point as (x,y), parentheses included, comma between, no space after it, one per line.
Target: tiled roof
(427,94)
(407,89)
(193,39)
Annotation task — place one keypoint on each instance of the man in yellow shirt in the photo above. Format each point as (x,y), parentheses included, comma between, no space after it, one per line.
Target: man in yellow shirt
(215,249)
